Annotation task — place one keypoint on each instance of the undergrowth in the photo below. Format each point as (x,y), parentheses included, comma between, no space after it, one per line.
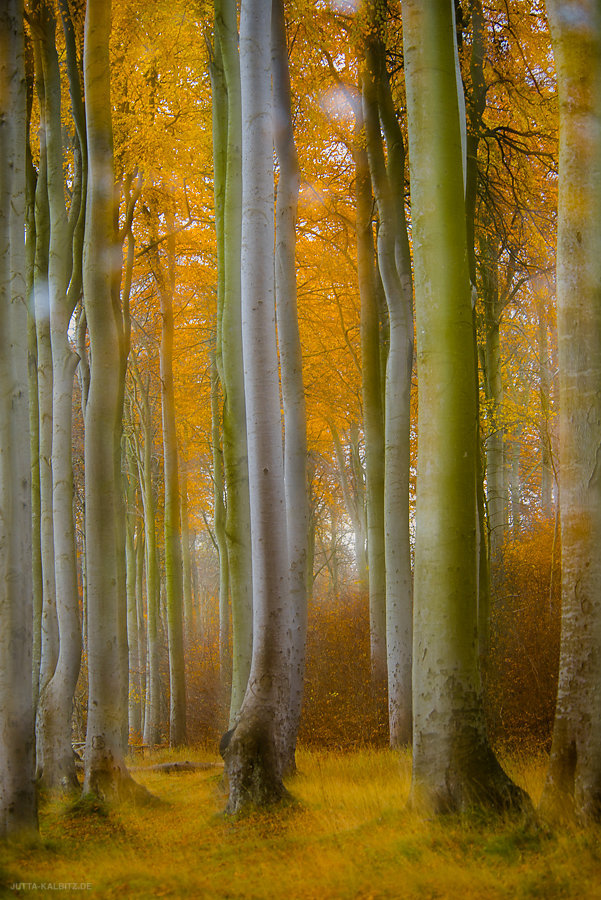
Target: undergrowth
(348,836)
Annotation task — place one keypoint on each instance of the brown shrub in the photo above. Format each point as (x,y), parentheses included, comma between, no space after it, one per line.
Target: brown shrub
(521,682)
(341,709)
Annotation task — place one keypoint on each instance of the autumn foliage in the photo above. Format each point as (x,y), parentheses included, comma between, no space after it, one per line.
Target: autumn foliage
(524,653)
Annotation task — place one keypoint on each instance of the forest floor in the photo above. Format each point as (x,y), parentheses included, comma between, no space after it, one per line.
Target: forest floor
(348,835)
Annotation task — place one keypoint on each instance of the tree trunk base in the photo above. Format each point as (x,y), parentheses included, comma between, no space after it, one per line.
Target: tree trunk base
(481,784)
(252,769)
(110,781)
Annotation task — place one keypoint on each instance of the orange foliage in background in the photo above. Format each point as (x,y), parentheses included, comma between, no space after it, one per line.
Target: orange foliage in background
(521,675)
(342,709)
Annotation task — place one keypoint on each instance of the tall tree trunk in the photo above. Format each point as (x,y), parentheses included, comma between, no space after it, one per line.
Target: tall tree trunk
(173,538)
(293,396)
(134,716)
(220,128)
(453,764)
(546,474)
(219,520)
(574,778)
(49,621)
(56,767)
(388,179)
(153,685)
(371,392)
(105,772)
(496,494)
(251,757)
(18,805)
(189,617)
(235,451)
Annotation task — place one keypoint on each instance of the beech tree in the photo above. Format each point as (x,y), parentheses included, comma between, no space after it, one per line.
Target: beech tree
(229,361)
(252,762)
(18,803)
(105,771)
(573,785)
(394,264)
(453,764)
(293,397)
(55,761)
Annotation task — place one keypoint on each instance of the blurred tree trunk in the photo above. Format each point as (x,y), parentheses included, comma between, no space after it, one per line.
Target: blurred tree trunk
(152,714)
(18,804)
(189,617)
(55,761)
(174,587)
(573,783)
(371,392)
(453,764)
(48,623)
(105,772)
(132,559)
(219,519)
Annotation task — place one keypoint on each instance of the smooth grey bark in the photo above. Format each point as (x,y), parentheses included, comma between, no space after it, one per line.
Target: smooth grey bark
(251,758)
(293,395)
(49,621)
(55,761)
(394,263)
(229,345)
(189,616)
(105,772)
(134,715)
(453,764)
(573,785)
(153,685)
(371,383)
(34,421)
(219,522)
(172,524)
(220,128)
(18,804)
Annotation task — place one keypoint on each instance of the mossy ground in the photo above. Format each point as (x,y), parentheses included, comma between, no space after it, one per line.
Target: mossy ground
(348,836)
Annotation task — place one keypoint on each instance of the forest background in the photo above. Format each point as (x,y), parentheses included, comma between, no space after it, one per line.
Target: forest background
(182,609)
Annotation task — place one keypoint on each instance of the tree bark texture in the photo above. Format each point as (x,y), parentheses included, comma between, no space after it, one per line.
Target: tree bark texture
(251,757)
(394,263)
(18,804)
(453,764)
(293,395)
(105,772)
(573,783)
(235,451)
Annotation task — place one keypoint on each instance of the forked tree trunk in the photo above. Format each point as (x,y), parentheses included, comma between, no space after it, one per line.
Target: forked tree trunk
(573,783)
(55,760)
(252,762)
(453,764)
(18,805)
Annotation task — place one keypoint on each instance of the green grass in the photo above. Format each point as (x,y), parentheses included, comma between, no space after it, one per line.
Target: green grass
(348,836)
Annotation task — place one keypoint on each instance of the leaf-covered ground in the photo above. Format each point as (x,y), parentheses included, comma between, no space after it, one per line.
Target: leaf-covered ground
(347,836)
